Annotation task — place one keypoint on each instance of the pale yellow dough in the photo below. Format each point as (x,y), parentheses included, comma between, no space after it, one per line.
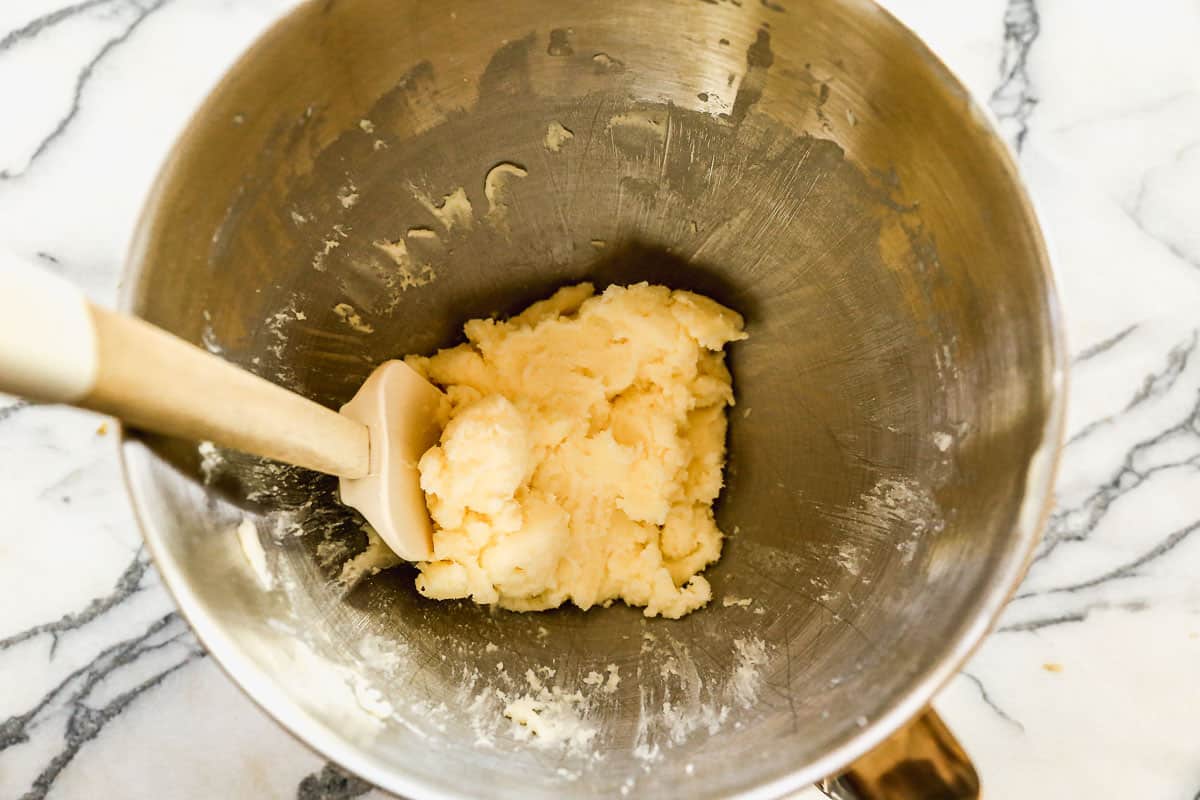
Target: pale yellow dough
(583,453)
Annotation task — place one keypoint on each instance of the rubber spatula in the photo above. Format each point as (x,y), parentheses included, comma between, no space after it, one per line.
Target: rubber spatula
(57,347)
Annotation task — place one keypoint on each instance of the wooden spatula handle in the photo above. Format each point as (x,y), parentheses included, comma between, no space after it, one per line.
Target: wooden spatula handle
(56,347)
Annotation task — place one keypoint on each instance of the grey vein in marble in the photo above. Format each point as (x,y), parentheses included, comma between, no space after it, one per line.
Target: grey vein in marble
(331,783)
(1103,346)
(1029,626)
(1129,568)
(1013,101)
(990,703)
(85,75)
(1081,614)
(85,721)
(127,584)
(36,26)
(1137,215)
(1076,523)
(12,409)
(1153,385)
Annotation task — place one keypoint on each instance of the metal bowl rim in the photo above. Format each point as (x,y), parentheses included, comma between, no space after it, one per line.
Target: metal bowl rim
(1005,580)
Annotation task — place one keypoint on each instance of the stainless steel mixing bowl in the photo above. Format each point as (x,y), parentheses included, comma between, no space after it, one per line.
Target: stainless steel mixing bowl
(808,163)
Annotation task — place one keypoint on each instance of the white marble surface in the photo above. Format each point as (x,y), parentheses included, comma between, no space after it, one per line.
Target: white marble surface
(1089,689)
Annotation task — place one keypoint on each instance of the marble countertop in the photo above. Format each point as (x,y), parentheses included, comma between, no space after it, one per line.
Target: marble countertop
(1088,689)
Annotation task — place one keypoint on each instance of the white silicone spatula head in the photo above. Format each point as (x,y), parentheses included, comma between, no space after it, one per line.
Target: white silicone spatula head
(56,347)
(402,412)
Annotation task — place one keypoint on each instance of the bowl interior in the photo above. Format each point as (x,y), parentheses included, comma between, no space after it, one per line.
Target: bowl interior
(809,164)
